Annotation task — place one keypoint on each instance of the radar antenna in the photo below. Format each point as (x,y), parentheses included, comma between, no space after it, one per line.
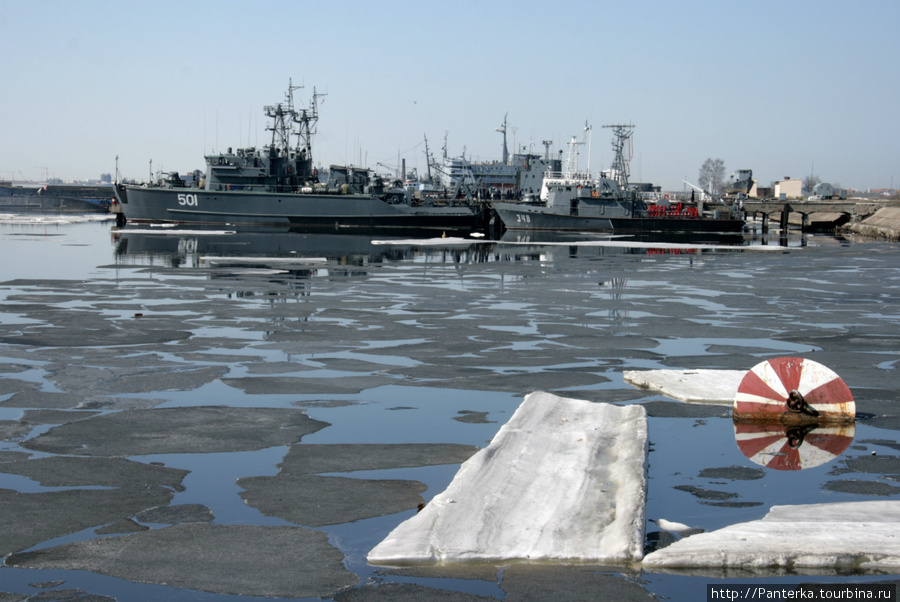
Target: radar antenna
(547,144)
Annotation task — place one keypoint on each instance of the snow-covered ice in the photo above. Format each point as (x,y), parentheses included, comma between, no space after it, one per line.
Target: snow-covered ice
(563,480)
(431,242)
(697,385)
(235,260)
(614,242)
(676,527)
(170,230)
(846,535)
(54,219)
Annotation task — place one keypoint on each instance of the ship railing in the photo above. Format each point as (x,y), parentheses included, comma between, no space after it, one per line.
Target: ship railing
(659,197)
(679,210)
(569,175)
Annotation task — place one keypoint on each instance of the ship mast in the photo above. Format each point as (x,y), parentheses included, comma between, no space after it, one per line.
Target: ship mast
(306,120)
(502,130)
(572,159)
(427,159)
(621,135)
(280,126)
(284,116)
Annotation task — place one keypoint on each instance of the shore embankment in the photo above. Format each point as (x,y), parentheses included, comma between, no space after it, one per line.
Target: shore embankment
(883,224)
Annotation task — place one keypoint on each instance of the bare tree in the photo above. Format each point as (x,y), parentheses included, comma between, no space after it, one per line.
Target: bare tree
(809,182)
(712,175)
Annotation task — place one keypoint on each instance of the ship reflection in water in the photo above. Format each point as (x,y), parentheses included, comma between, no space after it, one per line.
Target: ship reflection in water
(286,254)
(279,249)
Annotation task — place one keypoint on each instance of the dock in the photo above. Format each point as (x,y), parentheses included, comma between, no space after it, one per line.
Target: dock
(816,216)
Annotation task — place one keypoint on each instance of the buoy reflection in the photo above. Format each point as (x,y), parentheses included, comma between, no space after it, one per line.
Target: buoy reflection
(792,447)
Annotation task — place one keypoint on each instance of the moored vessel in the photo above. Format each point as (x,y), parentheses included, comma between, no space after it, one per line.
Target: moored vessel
(278,185)
(55,198)
(576,201)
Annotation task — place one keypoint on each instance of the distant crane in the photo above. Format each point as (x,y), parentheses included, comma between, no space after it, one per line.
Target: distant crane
(394,169)
(734,207)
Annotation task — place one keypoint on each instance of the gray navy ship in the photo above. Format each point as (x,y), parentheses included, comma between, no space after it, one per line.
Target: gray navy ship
(278,185)
(575,201)
(518,176)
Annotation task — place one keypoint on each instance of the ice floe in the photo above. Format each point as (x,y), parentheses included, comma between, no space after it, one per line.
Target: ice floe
(443,241)
(563,480)
(675,527)
(265,261)
(613,242)
(48,219)
(698,385)
(803,538)
(169,229)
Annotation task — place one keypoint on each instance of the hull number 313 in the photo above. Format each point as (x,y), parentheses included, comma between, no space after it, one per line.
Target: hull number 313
(187,200)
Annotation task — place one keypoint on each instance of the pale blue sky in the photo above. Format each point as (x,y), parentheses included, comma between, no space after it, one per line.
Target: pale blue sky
(782,87)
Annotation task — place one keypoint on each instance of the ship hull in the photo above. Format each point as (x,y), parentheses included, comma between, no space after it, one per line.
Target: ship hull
(308,211)
(39,204)
(55,199)
(530,217)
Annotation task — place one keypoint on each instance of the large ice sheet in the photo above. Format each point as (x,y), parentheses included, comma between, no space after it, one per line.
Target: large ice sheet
(704,386)
(847,535)
(563,480)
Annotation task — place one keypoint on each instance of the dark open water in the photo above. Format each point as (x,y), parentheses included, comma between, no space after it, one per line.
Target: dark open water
(431,343)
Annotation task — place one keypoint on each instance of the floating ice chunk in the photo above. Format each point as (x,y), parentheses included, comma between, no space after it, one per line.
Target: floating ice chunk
(634,244)
(704,386)
(169,230)
(54,219)
(235,260)
(674,527)
(858,535)
(430,242)
(563,480)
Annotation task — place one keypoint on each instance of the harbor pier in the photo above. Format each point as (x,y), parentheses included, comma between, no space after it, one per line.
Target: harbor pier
(813,215)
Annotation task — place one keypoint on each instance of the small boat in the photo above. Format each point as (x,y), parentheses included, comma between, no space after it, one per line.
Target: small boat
(576,201)
(278,185)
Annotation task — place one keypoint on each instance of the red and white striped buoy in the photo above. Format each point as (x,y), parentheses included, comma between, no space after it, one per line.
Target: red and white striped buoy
(785,447)
(793,390)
